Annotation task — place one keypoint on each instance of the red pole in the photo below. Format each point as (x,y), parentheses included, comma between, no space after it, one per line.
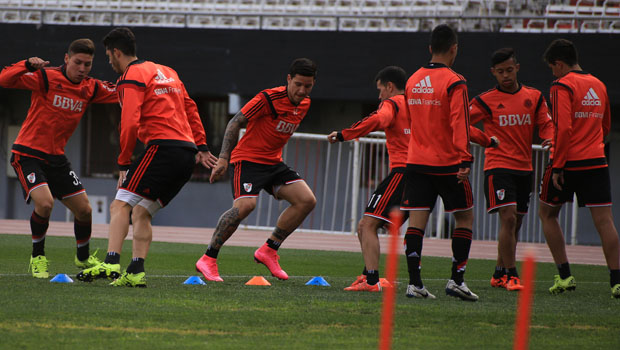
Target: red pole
(524,307)
(387,314)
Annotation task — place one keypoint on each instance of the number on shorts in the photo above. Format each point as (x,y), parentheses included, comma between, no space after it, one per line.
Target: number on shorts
(77,181)
(376,201)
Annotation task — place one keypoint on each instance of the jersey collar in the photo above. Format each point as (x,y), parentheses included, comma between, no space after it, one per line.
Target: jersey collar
(63,69)
(432,65)
(506,92)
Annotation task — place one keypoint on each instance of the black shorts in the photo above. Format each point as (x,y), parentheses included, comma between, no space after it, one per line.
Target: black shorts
(33,173)
(248,178)
(160,172)
(388,195)
(502,189)
(592,187)
(421,191)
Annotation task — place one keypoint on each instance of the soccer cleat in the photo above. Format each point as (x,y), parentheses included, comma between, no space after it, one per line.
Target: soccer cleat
(460,291)
(514,284)
(364,287)
(130,280)
(88,263)
(360,279)
(499,282)
(102,270)
(208,267)
(384,282)
(615,291)
(560,285)
(38,266)
(415,292)
(269,257)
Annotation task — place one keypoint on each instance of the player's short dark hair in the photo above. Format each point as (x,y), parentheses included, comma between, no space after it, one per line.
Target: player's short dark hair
(121,38)
(303,66)
(561,50)
(442,39)
(502,55)
(393,74)
(82,46)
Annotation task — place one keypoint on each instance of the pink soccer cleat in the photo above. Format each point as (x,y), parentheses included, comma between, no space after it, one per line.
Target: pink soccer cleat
(208,267)
(269,257)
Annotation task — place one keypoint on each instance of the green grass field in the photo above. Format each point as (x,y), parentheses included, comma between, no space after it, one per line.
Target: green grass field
(37,314)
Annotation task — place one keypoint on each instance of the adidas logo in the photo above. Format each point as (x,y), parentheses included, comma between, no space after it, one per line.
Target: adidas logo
(413,255)
(59,87)
(162,79)
(500,106)
(424,86)
(591,99)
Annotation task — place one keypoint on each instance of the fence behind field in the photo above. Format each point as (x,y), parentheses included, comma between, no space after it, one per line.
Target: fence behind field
(344,175)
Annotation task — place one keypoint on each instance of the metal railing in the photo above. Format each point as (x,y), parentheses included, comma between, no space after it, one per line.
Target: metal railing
(344,175)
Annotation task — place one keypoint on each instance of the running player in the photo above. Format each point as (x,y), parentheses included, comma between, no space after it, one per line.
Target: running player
(157,110)
(510,111)
(582,121)
(272,116)
(60,96)
(438,161)
(391,117)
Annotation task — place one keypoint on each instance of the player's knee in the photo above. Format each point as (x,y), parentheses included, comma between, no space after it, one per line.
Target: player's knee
(83,213)
(44,208)
(309,202)
(245,208)
(118,207)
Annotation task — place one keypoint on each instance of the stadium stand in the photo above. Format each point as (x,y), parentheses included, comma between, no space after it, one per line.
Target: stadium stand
(528,16)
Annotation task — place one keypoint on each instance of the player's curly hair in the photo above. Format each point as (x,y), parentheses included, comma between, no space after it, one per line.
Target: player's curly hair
(121,38)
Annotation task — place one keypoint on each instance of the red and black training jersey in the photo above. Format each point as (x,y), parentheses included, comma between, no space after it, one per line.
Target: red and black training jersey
(272,120)
(156,109)
(580,112)
(391,117)
(511,117)
(438,107)
(56,106)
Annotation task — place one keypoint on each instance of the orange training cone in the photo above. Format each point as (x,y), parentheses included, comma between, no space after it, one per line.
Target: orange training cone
(257,281)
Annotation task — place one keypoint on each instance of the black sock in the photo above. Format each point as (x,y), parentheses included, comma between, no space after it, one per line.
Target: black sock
(413,251)
(82,230)
(499,272)
(212,252)
(136,265)
(365,272)
(512,272)
(461,243)
(273,244)
(614,277)
(564,270)
(38,226)
(112,258)
(373,277)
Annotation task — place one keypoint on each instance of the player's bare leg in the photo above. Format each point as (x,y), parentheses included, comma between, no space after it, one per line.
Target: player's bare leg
(82,226)
(507,241)
(119,225)
(604,223)
(43,201)
(142,231)
(369,241)
(553,232)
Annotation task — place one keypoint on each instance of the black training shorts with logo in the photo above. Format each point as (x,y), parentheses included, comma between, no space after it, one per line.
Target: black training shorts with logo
(421,191)
(56,173)
(503,187)
(388,195)
(592,187)
(248,178)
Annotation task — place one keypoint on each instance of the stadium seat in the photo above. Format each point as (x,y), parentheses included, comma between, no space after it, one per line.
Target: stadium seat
(273,6)
(403,25)
(201,21)
(611,8)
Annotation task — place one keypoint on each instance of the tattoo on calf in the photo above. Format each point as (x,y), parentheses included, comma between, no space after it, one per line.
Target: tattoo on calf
(226,226)
(281,234)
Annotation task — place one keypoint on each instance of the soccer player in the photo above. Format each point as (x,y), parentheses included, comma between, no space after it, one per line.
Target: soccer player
(60,96)
(157,110)
(510,111)
(272,116)
(582,120)
(391,117)
(438,161)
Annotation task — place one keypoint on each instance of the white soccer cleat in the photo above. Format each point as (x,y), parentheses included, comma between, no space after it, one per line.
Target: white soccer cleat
(415,292)
(460,291)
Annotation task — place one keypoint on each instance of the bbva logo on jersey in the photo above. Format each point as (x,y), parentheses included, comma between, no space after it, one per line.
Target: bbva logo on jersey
(67,103)
(514,119)
(286,128)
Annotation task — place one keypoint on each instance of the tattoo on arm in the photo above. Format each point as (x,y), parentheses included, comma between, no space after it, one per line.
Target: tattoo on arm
(281,234)
(231,136)
(226,226)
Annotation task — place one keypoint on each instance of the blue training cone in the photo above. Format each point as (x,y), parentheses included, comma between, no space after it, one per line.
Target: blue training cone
(62,278)
(194,280)
(317,281)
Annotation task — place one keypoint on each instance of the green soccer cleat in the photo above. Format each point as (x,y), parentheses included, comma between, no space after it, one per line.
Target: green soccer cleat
(615,291)
(562,285)
(92,261)
(38,266)
(130,280)
(102,270)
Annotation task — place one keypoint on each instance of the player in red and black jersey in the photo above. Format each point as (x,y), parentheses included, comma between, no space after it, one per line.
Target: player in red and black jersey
(391,117)
(510,112)
(60,96)
(580,113)
(272,117)
(156,110)
(438,161)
